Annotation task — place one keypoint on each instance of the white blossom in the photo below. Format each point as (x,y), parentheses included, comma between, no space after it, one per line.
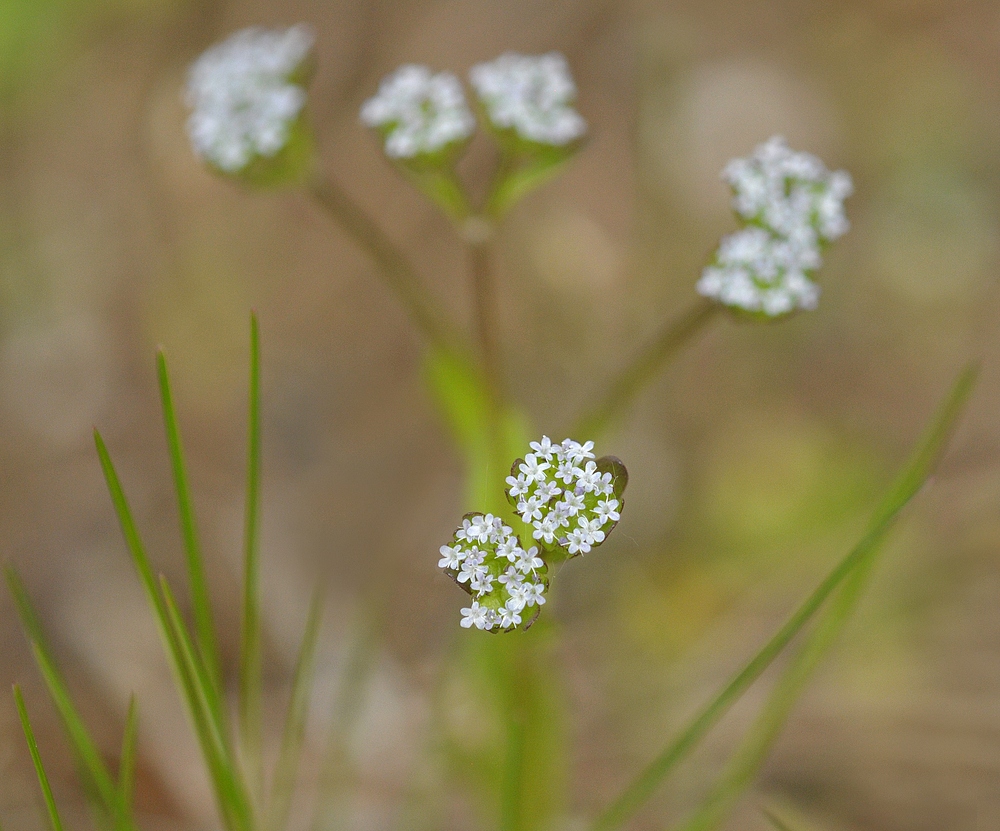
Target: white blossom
(586,502)
(419,112)
(532,95)
(793,206)
(242,100)
(486,558)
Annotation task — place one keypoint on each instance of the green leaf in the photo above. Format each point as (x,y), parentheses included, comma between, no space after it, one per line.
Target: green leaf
(126,764)
(283,786)
(97,778)
(232,804)
(908,484)
(36,759)
(200,599)
(251,681)
(232,797)
(748,758)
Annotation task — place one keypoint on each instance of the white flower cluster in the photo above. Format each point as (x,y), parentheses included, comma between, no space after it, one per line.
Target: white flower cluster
(503,578)
(793,206)
(531,95)
(420,112)
(560,492)
(242,101)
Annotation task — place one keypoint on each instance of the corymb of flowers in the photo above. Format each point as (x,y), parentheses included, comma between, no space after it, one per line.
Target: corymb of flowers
(419,112)
(530,95)
(245,95)
(568,501)
(792,206)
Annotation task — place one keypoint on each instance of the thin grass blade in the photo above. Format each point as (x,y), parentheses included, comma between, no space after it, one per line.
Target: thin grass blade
(230,791)
(201,605)
(126,764)
(746,762)
(97,778)
(906,487)
(251,680)
(778,823)
(219,772)
(283,786)
(36,759)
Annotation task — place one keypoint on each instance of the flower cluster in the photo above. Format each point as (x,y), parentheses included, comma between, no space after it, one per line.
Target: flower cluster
(565,495)
(793,206)
(419,112)
(531,95)
(487,560)
(242,97)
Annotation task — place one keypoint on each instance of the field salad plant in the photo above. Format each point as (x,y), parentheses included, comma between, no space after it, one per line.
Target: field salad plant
(535,501)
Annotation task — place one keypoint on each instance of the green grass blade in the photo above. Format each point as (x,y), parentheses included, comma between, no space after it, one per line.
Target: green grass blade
(126,764)
(746,762)
(200,601)
(230,792)
(251,681)
(83,744)
(36,758)
(907,485)
(97,778)
(283,786)
(778,823)
(232,817)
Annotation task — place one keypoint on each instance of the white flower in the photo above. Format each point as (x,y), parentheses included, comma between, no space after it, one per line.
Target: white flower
(793,205)
(531,95)
(533,469)
(476,615)
(606,511)
(517,486)
(788,192)
(543,448)
(242,101)
(534,593)
(451,557)
(487,560)
(419,112)
(758,272)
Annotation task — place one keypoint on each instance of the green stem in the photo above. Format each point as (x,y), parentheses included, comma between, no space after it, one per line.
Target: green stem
(627,384)
(43,779)
(251,676)
(397,271)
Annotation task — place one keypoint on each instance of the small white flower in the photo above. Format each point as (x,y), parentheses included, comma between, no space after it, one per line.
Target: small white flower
(532,95)
(509,617)
(567,471)
(518,485)
(547,490)
(242,101)
(530,508)
(451,557)
(579,541)
(419,111)
(543,448)
(607,510)
(572,503)
(482,581)
(546,529)
(529,560)
(534,593)
(533,469)
(476,615)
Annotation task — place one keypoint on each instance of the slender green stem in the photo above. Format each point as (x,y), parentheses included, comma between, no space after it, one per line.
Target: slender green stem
(200,600)
(43,779)
(484,298)
(627,384)
(512,784)
(251,677)
(397,271)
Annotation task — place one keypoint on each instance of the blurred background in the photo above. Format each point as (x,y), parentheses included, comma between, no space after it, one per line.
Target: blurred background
(755,460)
